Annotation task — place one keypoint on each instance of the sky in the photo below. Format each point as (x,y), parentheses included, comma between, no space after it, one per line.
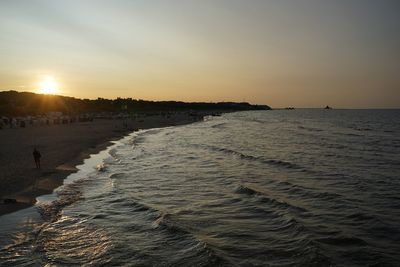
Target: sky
(301,53)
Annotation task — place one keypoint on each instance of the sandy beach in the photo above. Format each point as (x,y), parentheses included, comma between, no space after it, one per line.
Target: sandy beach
(62,148)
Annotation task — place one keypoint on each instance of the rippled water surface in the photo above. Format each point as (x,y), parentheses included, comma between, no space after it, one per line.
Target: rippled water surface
(265,188)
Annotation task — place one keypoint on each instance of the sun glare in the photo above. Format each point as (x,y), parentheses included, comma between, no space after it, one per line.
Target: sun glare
(48,86)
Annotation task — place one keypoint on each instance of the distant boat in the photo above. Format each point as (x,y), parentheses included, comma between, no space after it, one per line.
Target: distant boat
(328,107)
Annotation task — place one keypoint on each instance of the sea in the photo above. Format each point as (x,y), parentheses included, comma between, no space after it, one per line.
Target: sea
(304,187)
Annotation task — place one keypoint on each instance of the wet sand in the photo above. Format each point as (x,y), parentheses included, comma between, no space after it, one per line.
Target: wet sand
(62,148)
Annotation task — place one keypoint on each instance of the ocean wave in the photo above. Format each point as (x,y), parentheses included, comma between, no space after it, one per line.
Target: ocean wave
(65,241)
(305,192)
(348,134)
(363,217)
(311,129)
(200,247)
(113,153)
(135,206)
(343,241)
(264,198)
(81,243)
(69,194)
(118,175)
(258,121)
(287,192)
(219,125)
(243,156)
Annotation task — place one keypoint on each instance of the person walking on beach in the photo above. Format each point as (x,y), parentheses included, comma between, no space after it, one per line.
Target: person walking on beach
(36,157)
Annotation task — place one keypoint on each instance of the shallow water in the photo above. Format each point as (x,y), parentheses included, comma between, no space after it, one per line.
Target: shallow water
(265,188)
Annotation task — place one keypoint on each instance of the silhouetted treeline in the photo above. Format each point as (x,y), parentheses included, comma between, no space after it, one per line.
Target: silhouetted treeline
(14,103)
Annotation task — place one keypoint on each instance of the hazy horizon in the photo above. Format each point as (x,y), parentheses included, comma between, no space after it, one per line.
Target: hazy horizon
(303,53)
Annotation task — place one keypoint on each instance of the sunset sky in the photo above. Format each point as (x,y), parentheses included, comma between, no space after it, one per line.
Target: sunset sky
(302,53)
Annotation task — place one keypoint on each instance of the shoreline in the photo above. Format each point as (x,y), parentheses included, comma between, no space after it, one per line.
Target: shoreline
(48,182)
(24,188)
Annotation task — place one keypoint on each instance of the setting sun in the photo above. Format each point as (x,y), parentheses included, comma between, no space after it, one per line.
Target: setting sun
(48,86)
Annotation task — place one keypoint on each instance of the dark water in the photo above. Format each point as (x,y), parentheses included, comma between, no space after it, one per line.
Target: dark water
(268,188)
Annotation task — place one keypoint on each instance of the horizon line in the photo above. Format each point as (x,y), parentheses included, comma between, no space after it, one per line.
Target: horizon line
(170,100)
